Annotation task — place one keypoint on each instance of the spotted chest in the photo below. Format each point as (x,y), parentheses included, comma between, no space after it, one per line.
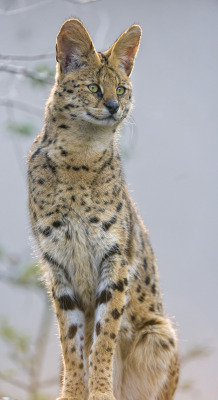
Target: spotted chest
(76,226)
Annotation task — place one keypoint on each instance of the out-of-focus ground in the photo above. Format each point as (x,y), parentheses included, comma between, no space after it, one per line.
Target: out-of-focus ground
(172,171)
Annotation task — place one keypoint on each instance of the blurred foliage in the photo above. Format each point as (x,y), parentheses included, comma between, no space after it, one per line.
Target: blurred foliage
(45,74)
(17,341)
(25,353)
(29,277)
(196,352)
(24,129)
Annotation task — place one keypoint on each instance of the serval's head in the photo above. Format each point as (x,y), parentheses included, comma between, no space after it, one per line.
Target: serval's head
(94,87)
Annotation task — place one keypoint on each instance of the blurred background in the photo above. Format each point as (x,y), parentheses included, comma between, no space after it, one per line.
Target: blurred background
(170,158)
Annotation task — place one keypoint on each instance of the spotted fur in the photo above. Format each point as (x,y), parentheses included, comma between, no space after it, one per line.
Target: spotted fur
(117,342)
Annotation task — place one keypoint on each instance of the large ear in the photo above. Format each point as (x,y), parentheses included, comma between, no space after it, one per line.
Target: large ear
(123,51)
(74,46)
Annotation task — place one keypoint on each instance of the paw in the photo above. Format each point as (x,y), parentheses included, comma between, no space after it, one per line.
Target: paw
(101,396)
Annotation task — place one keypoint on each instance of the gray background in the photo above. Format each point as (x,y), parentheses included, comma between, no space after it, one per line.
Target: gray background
(172,171)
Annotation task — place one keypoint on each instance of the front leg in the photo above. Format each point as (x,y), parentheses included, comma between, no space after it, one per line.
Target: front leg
(71,328)
(71,324)
(110,305)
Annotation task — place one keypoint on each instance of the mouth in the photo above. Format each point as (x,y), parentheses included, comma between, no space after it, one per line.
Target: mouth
(109,117)
(109,120)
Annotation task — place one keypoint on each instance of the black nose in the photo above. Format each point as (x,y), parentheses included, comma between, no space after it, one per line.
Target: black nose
(112,106)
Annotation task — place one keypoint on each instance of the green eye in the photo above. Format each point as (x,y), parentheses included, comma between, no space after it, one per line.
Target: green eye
(93,88)
(120,90)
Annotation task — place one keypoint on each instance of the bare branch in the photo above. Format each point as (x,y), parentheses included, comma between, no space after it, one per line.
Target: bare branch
(21,57)
(30,109)
(24,9)
(14,69)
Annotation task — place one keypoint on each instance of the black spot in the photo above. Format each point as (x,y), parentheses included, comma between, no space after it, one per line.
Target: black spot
(66,302)
(116,190)
(112,335)
(57,224)
(152,308)
(125,281)
(107,224)
(73,198)
(72,331)
(63,126)
(138,290)
(145,265)
(153,288)
(115,313)
(147,280)
(85,167)
(119,206)
(41,181)
(101,210)
(104,297)
(68,106)
(109,349)
(64,153)
(46,232)
(69,91)
(76,168)
(93,220)
(98,328)
(118,286)
(142,297)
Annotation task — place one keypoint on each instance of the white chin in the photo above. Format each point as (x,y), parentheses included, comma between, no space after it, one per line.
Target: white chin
(97,121)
